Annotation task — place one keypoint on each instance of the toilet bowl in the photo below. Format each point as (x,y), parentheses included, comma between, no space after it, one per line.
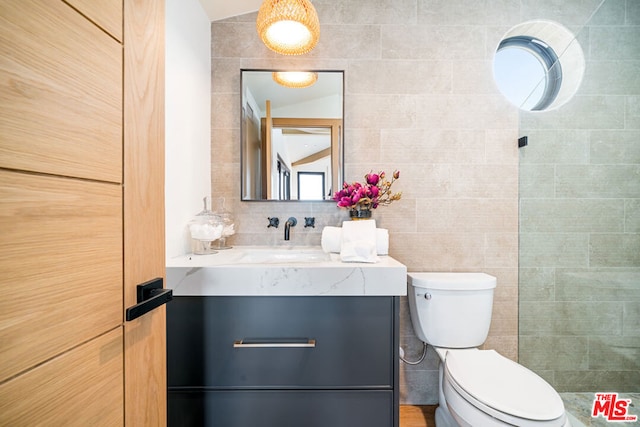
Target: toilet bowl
(484,388)
(477,388)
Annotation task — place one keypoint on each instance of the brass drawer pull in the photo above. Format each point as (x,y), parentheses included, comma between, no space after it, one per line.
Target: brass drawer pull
(289,343)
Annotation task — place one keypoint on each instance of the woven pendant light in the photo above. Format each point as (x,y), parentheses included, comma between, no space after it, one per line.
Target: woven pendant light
(288,27)
(295,79)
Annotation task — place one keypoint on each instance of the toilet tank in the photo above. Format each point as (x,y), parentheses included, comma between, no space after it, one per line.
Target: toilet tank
(451,310)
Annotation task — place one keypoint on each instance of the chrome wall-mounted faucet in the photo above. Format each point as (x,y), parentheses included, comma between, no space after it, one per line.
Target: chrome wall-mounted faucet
(291,222)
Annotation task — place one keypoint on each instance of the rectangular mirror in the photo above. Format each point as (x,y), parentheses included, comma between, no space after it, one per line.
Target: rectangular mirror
(291,137)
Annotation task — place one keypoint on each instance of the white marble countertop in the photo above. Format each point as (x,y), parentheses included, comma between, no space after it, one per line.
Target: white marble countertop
(283,271)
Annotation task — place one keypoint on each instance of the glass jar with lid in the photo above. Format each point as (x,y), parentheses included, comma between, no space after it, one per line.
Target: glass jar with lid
(228,221)
(205,228)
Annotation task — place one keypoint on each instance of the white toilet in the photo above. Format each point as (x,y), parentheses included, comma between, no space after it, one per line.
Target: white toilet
(477,388)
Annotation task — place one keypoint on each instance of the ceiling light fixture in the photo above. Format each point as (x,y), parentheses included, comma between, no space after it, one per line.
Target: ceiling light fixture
(288,27)
(295,79)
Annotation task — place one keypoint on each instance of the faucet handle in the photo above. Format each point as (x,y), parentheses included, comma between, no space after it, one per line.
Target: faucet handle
(292,221)
(309,222)
(273,222)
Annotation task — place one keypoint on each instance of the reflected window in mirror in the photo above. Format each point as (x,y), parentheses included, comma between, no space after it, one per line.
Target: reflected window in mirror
(311,186)
(297,130)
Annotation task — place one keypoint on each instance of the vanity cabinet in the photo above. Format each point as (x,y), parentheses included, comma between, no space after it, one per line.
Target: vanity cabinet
(317,361)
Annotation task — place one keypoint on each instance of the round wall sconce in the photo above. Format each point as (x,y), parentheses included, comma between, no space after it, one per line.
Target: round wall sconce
(288,27)
(295,79)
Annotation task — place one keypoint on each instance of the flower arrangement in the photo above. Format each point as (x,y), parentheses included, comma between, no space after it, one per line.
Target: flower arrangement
(375,191)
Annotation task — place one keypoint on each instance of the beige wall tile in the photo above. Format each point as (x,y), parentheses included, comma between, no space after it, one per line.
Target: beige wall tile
(420,98)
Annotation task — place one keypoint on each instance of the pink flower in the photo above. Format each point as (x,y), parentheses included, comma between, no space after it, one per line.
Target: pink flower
(374,192)
(372,178)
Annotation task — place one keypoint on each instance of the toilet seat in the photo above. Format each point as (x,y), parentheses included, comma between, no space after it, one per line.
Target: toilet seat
(502,388)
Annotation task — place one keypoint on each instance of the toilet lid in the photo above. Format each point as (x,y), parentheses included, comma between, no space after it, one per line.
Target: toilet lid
(504,385)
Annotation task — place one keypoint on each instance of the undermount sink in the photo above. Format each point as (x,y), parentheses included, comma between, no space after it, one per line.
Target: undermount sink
(269,255)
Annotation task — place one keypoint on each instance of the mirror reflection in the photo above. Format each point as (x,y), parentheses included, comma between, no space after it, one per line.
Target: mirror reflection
(292,137)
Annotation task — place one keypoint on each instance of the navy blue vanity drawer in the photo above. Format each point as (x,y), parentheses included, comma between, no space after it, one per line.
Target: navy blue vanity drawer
(280,342)
(280,408)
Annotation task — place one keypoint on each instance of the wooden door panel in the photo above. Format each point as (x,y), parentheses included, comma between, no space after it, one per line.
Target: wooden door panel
(60,92)
(61,258)
(106,13)
(48,394)
(145,344)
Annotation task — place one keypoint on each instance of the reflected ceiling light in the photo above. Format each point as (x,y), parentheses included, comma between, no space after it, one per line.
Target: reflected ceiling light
(295,79)
(288,27)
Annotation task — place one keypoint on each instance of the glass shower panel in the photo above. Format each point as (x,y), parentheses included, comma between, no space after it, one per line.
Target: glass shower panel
(579,275)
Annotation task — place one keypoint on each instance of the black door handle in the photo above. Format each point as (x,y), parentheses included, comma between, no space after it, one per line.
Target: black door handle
(150,295)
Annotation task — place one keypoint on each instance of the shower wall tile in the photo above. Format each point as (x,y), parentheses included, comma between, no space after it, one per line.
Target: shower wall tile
(536,180)
(615,147)
(614,353)
(571,215)
(587,318)
(615,42)
(620,381)
(551,352)
(613,77)
(577,14)
(557,146)
(633,13)
(632,112)
(631,319)
(610,13)
(597,284)
(615,250)
(583,112)
(598,181)
(579,188)
(632,215)
(554,250)
(537,284)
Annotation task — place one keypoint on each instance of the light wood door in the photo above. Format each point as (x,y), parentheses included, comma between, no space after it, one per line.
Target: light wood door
(81,211)
(144,256)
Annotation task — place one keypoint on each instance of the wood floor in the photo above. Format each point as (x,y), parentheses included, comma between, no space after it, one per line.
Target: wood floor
(417,416)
